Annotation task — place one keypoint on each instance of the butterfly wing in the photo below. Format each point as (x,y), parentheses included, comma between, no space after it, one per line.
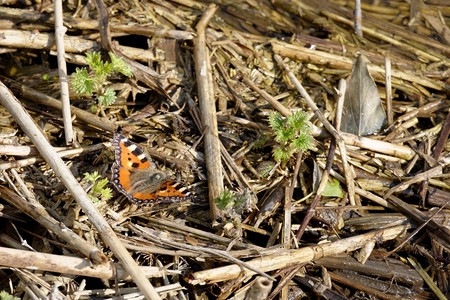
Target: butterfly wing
(171,191)
(132,170)
(129,155)
(121,180)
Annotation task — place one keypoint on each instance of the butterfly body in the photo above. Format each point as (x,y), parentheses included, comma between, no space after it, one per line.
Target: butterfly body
(137,177)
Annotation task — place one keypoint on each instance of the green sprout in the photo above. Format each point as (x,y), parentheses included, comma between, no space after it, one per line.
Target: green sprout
(98,188)
(229,200)
(85,82)
(49,78)
(333,189)
(292,134)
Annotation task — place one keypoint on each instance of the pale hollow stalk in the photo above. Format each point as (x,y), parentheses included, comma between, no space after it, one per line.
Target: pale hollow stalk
(60,30)
(287,221)
(208,113)
(396,150)
(27,39)
(62,171)
(15,150)
(358,18)
(260,289)
(286,258)
(388,86)
(64,264)
(387,148)
(340,103)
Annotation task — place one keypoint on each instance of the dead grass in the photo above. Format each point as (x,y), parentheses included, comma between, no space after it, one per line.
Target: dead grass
(205,81)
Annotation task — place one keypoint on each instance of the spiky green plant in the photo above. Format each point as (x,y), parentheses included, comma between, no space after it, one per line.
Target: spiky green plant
(228,199)
(98,190)
(292,134)
(95,82)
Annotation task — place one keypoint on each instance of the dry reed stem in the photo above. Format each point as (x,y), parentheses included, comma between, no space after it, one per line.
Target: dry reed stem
(64,264)
(30,40)
(60,30)
(208,114)
(296,256)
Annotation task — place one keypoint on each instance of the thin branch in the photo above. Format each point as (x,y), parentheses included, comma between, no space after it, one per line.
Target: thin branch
(358,18)
(60,30)
(388,85)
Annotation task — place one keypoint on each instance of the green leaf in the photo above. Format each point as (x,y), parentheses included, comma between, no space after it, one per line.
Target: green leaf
(265,170)
(119,65)
(106,193)
(303,142)
(101,69)
(93,198)
(276,121)
(81,82)
(298,120)
(102,182)
(333,189)
(94,108)
(280,154)
(103,72)
(108,97)
(91,177)
(94,60)
(226,199)
(284,134)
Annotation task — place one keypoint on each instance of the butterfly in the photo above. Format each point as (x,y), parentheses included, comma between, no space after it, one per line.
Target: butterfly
(136,176)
